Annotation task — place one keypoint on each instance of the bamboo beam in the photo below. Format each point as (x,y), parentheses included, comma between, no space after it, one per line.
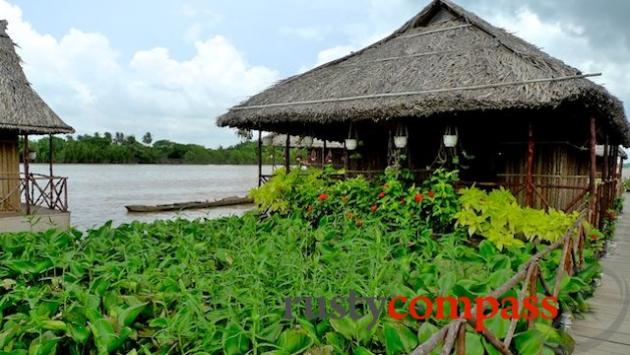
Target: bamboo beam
(413,93)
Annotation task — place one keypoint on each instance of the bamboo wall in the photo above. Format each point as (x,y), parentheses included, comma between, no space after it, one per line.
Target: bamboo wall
(560,174)
(9,173)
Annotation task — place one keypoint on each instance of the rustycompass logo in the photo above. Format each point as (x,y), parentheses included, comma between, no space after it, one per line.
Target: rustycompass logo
(421,308)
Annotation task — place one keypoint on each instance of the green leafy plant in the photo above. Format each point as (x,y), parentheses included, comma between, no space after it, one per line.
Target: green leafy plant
(497,216)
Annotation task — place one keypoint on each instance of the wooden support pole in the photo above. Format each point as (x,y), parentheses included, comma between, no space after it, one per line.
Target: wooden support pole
(27,190)
(259,157)
(324,154)
(529,184)
(603,202)
(51,148)
(287,153)
(622,188)
(613,173)
(592,187)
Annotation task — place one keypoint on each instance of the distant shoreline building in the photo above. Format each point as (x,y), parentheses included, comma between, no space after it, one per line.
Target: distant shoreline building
(27,201)
(448,89)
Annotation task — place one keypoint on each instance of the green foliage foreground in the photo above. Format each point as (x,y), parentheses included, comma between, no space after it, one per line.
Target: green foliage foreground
(218,286)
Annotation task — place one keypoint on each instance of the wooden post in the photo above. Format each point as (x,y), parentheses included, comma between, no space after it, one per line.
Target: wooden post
(324,154)
(603,203)
(613,173)
(620,173)
(27,191)
(287,152)
(530,167)
(259,157)
(51,147)
(592,187)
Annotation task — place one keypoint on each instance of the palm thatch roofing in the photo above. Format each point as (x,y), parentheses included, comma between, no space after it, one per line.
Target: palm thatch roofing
(280,140)
(21,108)
(443,61)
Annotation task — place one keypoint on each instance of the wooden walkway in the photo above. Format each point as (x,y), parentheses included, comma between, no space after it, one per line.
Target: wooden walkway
(606,328)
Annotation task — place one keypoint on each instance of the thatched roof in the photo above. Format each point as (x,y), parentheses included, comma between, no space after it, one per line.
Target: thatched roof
(21,108)
(280,140)
(444,60)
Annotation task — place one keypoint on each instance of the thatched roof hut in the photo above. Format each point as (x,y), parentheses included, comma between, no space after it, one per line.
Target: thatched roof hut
(444,61)
(449,89)
(21,108)
(23,112)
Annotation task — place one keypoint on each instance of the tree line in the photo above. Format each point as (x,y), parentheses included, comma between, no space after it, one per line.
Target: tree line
(118,148)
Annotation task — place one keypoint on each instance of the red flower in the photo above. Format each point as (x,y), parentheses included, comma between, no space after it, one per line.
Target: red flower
(431,194)
(323,197)
(419,197)
(594,236)
(382,194)
(373,208)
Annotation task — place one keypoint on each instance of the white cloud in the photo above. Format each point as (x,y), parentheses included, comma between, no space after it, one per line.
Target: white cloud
(314,33)
(84,79)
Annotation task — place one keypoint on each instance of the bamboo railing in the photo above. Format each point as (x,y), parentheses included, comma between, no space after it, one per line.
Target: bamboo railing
(453,335)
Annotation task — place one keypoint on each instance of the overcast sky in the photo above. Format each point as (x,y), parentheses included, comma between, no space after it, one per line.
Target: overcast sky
(171,67)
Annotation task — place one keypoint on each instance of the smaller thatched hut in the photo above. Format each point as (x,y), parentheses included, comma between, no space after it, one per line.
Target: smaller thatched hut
(448,88)
(23,113)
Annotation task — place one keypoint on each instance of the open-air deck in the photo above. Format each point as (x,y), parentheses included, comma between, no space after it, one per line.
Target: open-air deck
(36,203)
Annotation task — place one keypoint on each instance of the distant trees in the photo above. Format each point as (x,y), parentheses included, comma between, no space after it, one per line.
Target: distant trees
(105,148)
(147,138)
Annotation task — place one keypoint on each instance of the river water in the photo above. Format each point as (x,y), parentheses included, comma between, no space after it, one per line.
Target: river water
(98,193)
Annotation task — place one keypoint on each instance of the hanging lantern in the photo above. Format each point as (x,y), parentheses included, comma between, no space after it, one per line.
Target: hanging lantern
(307,141)
(400,139)
(351,141)
(400,136)
(450,137)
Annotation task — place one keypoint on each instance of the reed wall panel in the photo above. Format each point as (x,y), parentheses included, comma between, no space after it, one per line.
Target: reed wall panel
(9,173)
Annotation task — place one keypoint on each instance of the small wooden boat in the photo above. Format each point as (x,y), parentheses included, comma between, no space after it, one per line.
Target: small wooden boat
(227,201)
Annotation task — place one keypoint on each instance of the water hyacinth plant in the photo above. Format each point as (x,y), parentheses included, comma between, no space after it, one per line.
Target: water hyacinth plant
(218,286)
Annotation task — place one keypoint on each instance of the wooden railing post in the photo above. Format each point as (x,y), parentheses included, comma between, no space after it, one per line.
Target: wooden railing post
(461,340)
